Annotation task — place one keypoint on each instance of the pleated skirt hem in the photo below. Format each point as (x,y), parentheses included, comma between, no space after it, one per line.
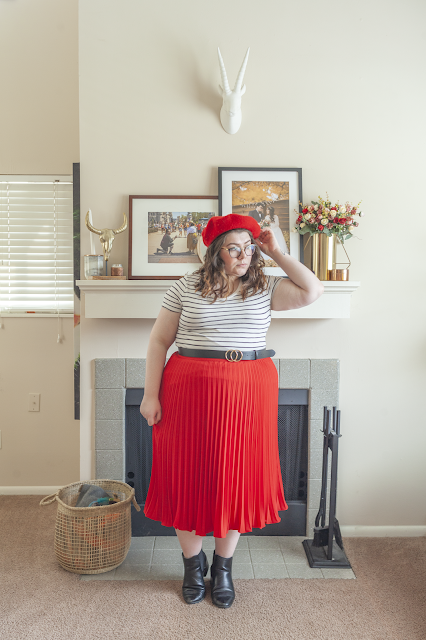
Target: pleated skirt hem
(183,526)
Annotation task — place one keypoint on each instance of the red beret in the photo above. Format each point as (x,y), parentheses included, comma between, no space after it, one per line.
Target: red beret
(222,224)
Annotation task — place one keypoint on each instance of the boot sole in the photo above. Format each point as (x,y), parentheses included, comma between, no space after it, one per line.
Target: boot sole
(223,606)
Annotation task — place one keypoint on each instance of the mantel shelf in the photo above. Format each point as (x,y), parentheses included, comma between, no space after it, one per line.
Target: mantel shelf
(142,299)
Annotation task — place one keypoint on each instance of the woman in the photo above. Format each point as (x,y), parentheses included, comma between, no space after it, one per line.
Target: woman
(191,238)
(272,222)
(214,407)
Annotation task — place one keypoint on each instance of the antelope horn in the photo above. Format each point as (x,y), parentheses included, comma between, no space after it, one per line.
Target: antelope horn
(223,75)
(90,226)
(239,81)
(123,226)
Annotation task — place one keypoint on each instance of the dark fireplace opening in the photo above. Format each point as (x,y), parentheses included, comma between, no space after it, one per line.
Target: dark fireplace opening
(293,452)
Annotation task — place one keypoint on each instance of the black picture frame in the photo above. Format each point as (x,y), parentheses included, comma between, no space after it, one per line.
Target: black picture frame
(266,176)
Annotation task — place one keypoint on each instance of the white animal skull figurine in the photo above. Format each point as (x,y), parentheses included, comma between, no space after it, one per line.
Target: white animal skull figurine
(230,114)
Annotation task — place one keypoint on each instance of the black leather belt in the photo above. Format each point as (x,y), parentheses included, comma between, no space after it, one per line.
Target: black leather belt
(232,355)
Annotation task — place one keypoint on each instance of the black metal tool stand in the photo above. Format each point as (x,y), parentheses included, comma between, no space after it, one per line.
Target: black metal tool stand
(327,554)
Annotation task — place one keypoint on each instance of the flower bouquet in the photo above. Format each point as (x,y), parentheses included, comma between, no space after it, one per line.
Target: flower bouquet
(330,219)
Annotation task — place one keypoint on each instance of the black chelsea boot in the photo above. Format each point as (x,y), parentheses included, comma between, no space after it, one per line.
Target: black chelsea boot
(222,587)
(193,588)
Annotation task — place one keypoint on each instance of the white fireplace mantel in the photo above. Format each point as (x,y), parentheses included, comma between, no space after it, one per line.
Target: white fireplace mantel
(142,299)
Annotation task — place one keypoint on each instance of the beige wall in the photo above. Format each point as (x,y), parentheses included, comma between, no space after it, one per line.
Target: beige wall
(38,135)
(332,87)
(39,106)
(41,448)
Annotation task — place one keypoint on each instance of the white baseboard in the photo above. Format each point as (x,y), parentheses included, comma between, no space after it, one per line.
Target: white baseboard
(348,531)
(28,491)
(360,531)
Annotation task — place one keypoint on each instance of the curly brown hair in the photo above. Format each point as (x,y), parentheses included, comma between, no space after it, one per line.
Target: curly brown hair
(213,280)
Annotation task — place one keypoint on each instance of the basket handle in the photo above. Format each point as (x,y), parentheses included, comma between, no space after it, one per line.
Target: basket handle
(48,500)
(135,504)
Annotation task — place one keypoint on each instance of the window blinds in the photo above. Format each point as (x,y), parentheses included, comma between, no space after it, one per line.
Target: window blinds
(36,244)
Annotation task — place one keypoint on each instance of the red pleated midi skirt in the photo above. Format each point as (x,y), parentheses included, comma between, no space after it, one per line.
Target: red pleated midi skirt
(215,460)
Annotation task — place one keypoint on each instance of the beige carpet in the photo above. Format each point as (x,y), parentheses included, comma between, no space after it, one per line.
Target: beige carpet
(41,601)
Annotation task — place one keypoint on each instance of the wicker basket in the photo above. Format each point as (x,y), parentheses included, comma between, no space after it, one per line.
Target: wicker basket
(92,539)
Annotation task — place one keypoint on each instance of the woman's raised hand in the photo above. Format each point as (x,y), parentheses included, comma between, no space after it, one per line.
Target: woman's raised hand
(267,242)
(151,410)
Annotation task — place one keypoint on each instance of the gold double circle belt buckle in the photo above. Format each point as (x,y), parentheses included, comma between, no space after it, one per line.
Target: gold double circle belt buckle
(234,355)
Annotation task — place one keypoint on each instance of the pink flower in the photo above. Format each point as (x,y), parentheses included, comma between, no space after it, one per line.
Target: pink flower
(356,224)
(330,225)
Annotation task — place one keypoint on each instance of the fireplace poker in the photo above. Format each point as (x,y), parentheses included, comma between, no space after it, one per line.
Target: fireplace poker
(321,532)
(334,527)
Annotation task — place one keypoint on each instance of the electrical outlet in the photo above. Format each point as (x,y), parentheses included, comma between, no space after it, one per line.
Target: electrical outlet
(34,402)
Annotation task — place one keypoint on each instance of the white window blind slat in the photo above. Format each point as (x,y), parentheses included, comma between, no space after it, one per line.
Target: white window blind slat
(36,244)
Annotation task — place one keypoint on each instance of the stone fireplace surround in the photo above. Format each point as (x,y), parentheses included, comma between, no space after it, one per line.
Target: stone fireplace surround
(112,376)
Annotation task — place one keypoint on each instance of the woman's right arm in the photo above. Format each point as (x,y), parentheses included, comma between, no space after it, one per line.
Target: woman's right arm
(162,336)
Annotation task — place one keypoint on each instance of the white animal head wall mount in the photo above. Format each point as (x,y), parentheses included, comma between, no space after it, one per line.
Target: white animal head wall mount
(230,114)
(106,236)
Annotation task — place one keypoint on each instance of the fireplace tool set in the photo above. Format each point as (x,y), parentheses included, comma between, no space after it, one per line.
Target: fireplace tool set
(321,552)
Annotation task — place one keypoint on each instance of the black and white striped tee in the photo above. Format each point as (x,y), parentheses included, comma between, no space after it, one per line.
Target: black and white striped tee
(224,324)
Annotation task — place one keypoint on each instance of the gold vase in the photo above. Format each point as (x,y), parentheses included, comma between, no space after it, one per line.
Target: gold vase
(319,254)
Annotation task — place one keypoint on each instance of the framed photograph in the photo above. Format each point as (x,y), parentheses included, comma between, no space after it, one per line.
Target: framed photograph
(272,197)
(165,235)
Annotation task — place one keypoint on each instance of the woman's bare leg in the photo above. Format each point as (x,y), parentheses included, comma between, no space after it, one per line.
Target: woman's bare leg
(225,547)
(190,543)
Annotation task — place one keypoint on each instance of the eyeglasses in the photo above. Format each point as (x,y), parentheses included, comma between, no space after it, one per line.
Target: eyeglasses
(235,252)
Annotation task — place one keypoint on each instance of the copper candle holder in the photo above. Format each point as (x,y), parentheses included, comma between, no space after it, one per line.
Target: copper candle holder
(338,274)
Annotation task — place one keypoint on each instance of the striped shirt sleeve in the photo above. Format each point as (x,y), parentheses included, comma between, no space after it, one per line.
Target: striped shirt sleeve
(273,282)
(173,298)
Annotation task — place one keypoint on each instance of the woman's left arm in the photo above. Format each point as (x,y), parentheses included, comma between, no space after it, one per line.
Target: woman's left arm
(302,287)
